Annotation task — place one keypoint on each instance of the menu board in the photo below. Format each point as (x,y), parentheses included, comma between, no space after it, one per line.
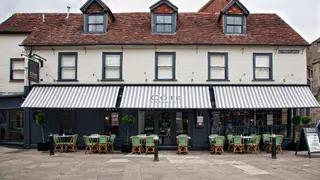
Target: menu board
(309,140)
(114,119)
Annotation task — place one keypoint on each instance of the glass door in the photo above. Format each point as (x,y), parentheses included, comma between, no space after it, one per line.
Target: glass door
(3,126)
(165,128)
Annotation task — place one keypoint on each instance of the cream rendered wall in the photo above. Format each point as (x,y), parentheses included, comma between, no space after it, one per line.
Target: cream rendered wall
(140,59)
(9,48)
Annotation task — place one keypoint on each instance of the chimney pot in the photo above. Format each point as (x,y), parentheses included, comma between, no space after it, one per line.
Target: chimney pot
(68,11)
(43,17)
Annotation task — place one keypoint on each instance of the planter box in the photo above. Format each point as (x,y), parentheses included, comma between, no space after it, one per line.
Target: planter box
(126,148)
(43,146)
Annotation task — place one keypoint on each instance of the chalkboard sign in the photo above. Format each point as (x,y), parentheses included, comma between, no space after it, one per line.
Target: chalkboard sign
(309,140)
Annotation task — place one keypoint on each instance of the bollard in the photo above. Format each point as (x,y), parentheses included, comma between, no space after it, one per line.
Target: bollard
(156,155)
(274,148)
(51,145)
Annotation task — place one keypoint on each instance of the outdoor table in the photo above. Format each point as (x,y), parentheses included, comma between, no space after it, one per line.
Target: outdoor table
(95,138)
(246,139)
(64,138)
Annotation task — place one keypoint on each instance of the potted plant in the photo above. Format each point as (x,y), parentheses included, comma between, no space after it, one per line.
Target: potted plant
(127,120)
(306,120)
(41,119)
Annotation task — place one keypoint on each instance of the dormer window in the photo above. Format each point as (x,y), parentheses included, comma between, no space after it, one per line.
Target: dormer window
(234,24)
(164,23)
(96,23)
(98,17)
(164,17)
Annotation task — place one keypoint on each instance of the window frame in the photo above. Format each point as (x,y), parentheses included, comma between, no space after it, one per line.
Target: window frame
(156,24)
(270,67)
(12,70)
(173,66)
(225,66)
(104,66)
(234,25)
(75,54)
(87,23)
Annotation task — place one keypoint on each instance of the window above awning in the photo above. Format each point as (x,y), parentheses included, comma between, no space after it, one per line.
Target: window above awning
(166,97)
(72,97)
(263,97)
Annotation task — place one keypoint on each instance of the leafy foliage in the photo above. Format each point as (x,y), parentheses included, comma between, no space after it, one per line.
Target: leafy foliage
(297,120)
(128,119)
(41,118)
(306,119)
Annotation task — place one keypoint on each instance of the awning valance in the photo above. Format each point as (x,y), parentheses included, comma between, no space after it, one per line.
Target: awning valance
(72,97)
(263,97)
(166,97)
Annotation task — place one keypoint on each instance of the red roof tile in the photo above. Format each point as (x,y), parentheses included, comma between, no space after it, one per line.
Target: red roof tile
(135,28)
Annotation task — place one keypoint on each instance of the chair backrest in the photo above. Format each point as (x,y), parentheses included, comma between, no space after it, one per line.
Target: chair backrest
(136,141)
(237,140)
(86,140)
(112,138)
(183,141)
(253,138)
(75,139)
(266,137)
(279,139)
(149,140)
(56,139)
(219,141)
(257,139)
(230,138)
(103,139)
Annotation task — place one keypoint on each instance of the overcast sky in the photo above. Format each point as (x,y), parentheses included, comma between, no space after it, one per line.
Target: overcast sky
(302,15)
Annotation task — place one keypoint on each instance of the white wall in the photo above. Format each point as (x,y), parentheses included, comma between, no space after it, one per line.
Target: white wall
(137,60)
(9,48)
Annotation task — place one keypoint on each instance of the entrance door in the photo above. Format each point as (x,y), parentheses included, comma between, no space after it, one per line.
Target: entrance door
(3,126)
(165,122)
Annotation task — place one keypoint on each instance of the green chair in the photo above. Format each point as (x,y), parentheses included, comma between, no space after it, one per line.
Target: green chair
(136,144)
(211,141)
(279,140)
(252,139)
(266,141)
(103,143)
(110,143)
(182,144)
(254,145)
(238,145)
(230,141)
(58,145)
(90,146)
(72,145)
(149,143)
(219,144)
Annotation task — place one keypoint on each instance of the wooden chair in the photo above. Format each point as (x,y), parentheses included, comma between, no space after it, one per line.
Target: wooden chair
(230,142)
(279,140)
(266,141)
(58,145)
(219,144)
(182,144)
(110,143)
(89,144)
(73,144)
(149,143)
(103,144)
(238,144)
(136,144)
(254,145)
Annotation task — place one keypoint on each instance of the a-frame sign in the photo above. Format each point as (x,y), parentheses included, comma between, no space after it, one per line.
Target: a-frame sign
(309,140)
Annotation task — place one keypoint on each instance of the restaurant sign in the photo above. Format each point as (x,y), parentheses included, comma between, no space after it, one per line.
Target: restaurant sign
(33,71)
(165,99)
(309,140)
(289,51)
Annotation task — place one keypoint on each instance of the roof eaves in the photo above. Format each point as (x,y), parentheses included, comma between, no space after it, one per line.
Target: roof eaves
(205,6)
(89,2)
(238,3)
(167,2)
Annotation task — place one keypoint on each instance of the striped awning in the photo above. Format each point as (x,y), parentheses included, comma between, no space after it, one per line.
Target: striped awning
(263,97)
(72,97)
(166,97)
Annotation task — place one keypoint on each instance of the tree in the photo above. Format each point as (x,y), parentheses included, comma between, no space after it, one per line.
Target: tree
(128,120)
(41,119)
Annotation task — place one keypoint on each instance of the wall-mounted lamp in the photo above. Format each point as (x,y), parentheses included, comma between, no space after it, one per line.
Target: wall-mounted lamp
(54,80)
(242,50)
(98,80)
(145,77)
(285,79)
(192,74)
(107,118)
(241,77)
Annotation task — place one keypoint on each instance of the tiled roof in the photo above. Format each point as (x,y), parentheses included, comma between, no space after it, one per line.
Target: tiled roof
(135,28)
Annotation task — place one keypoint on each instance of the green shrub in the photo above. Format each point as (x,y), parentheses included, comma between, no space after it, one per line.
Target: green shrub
(41,118)
(306,120)
(127,119)
(297,120)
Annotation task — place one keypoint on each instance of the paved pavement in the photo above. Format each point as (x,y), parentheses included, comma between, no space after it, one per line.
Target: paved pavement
(199,165)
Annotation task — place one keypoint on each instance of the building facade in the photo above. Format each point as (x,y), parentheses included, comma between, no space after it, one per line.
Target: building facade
(209,72)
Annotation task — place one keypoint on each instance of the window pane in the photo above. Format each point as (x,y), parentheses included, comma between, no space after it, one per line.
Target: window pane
(230,29)
(95,19)
(165,73)
(99,28)
(165,60)
(217,60)
(112,73)
(160,28)
(112,60)
(92,28)
(168,19)
(160,19)
(238,29)
(167,28)
(68,60)
(16,64)
(67,122)
(238,20)
(217,73)
(230,20)
(18,74)
(15,126)
(68,73)
(3,118)
(262,61)
(92,19)
(99,19)
(182,123)
(262,73)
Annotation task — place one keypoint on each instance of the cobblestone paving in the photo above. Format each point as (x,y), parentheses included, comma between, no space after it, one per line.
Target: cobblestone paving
(198,165)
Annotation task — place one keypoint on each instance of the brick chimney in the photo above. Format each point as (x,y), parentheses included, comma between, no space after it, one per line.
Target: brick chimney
(214,6)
